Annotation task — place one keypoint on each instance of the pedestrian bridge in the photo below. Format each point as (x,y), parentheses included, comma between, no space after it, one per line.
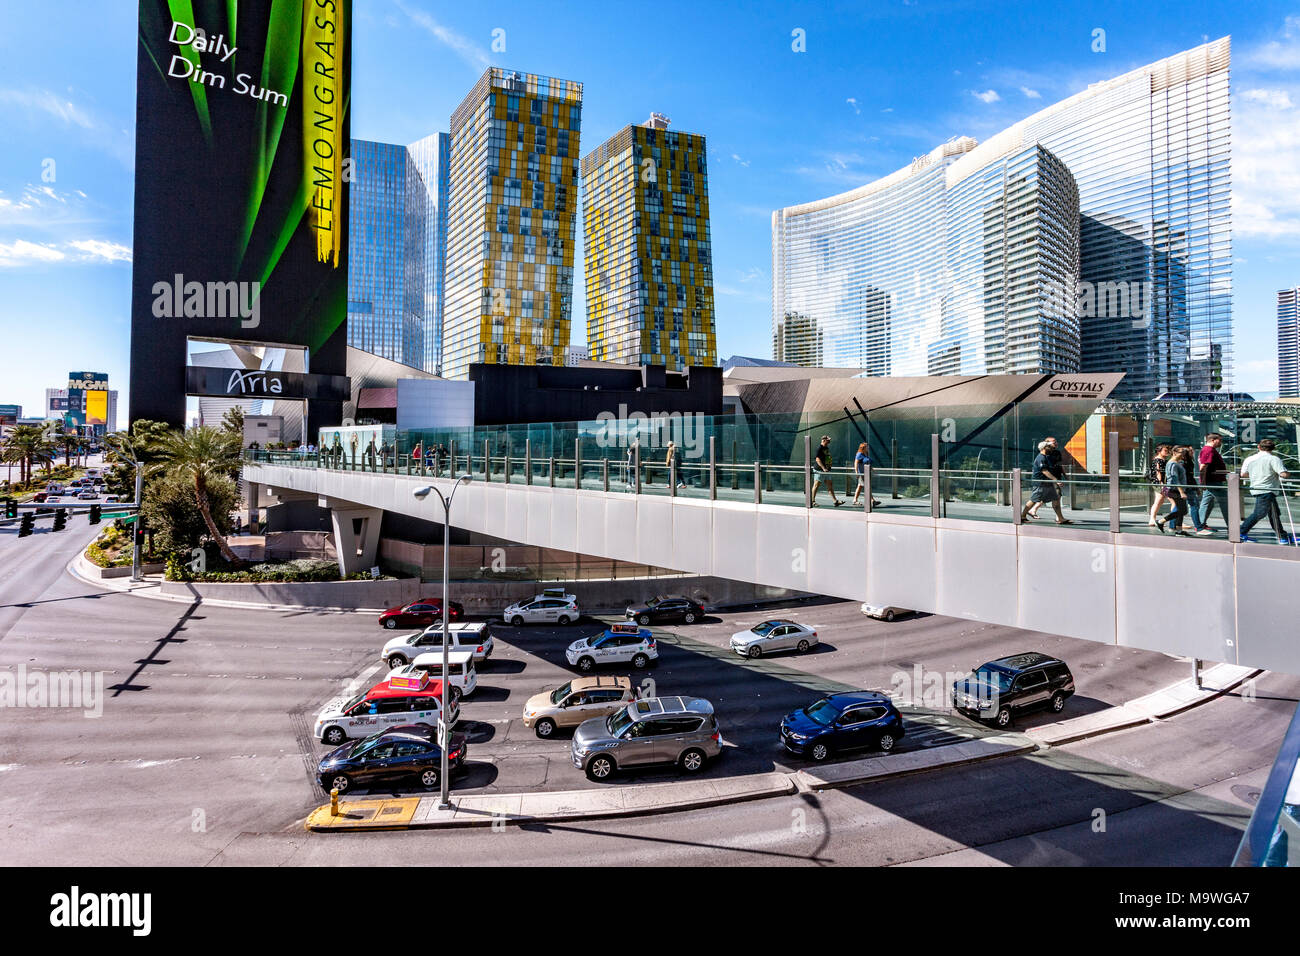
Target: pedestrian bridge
(927,545)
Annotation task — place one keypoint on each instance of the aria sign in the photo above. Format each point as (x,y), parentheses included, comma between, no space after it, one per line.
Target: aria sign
(258,383)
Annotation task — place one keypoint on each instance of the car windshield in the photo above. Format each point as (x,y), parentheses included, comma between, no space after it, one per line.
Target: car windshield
(619,722)
(561,692)
(351,703)
(823,712)
(598,641)
(765,627)
(994,678)
(654,601)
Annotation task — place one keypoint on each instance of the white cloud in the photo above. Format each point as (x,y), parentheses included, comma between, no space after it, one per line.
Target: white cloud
(1280,54)
(21,252)
(887,109)
(462,46)
(1275,99)
(742,162)
(854,103)
(1031,94)
(988,96)
(100,250)
(44,101)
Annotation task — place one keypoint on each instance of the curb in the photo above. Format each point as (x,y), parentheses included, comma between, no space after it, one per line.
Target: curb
(422,813)
(1147,709)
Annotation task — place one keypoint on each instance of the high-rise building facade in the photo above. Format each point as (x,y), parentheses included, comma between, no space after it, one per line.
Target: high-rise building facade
(1288,343)
(432,158)
(389,235)
(512,219)
(649,262)
(1149,153)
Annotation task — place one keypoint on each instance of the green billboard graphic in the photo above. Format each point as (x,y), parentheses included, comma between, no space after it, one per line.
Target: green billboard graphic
(242,131)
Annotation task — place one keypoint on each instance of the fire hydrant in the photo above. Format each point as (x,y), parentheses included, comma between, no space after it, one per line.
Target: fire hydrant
(334,802)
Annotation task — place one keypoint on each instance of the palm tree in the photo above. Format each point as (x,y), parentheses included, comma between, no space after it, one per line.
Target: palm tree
(69,443)
(201,455)
(29,445)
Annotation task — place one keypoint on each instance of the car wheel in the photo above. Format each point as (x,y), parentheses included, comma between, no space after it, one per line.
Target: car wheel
(689,617)
(1003,718)
(755,651)
(585,663)
(802,647)
(640,661)
(391,624)
(396,661)
(517,621)
(888,615)
(333,736)
(456,694)
(340,782)
(644,620)
(692,761)
(885,743)
(429,779)
(1058,702)
(819,751)
(544,728)
(563,620)
(600,767)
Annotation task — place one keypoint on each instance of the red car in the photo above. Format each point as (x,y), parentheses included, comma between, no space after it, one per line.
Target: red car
(419,613)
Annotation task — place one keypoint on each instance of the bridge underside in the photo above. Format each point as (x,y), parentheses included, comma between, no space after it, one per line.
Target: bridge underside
(1203,598)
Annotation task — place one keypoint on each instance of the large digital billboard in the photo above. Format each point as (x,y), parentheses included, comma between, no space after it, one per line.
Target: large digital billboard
(241,201)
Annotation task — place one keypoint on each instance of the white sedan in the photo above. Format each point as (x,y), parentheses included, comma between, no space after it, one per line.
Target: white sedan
(778,635)
(885,612)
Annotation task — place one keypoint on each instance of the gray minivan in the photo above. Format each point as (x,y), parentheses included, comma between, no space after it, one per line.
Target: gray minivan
(657,730)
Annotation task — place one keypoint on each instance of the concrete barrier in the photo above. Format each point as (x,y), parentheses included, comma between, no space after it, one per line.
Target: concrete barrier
(479,597)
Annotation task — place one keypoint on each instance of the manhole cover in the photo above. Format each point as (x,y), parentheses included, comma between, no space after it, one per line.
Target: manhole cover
(1245,794)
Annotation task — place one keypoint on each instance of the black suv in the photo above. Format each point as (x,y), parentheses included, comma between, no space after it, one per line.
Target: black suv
(662,610)
(998,689)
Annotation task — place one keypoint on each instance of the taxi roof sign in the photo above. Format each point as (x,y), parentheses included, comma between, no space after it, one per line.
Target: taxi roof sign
(409,682)
(625,629)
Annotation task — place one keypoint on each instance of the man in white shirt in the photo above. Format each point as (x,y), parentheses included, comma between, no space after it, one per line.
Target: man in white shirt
(1265,471)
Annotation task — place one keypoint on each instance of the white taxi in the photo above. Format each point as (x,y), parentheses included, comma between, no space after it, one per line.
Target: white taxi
(620,644)
(475,636)
(403,700)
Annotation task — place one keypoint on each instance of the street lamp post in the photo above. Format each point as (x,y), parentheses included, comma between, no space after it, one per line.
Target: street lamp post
(444,730)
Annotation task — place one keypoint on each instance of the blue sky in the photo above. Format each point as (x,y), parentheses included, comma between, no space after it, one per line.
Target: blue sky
(878,84)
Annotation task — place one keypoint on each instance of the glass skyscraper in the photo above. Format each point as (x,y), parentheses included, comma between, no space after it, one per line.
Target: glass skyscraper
(1149,153)
(512,219)
(1288,343)
(393,254)
(649,264)
(432,158)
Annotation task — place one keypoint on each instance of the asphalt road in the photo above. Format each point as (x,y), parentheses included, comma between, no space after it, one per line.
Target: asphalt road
(201,754)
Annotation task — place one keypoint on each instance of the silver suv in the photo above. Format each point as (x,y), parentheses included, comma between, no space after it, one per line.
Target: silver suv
(657,730)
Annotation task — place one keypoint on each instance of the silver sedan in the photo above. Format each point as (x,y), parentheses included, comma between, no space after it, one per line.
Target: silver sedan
(773,636)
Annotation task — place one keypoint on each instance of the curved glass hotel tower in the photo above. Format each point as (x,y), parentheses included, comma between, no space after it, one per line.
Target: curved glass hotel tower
(1093,236)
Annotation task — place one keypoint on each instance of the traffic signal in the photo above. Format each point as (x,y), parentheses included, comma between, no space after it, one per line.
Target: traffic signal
(11,508)
(25,527)
(96,512)
(60,519)
(139,532)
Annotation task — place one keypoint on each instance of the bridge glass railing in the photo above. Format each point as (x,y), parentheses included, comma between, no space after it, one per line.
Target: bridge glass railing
(1272,837)
(928,461)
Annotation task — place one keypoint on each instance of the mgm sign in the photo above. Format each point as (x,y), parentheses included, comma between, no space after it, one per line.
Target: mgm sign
(241,228)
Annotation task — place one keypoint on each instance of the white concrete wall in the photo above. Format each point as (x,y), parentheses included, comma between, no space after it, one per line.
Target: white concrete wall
(1204,598)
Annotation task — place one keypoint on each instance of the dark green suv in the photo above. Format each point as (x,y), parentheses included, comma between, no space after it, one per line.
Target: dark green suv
(999,689)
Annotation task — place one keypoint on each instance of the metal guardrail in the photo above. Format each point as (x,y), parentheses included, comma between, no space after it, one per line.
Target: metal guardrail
(1114,502)
(1272,837)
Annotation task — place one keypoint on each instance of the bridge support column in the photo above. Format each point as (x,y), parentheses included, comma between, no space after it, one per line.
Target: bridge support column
(1113,452)
(936,493)
(252,491)
(356,535)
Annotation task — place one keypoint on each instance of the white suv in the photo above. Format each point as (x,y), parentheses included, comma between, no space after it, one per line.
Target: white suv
(620,644)
(461,673)
(475,636)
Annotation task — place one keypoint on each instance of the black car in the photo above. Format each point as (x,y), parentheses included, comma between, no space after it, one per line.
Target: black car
(999,689)
(841,722)
(402,752)
(663,610)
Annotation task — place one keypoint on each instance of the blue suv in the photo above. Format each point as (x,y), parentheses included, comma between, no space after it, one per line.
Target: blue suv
(843,722)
